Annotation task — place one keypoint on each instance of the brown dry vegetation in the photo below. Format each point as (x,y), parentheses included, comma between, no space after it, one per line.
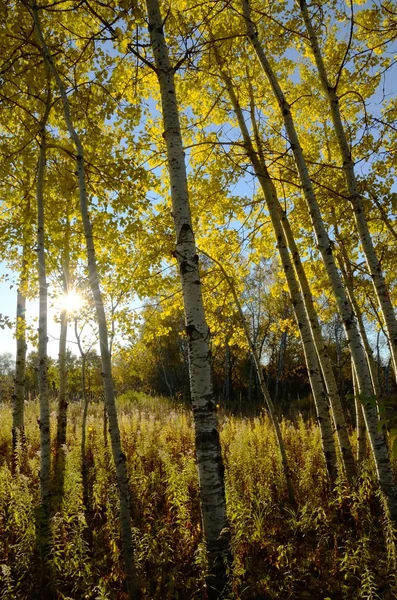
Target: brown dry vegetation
(333,547)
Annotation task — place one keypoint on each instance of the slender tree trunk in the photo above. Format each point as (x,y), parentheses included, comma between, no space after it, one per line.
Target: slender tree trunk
(360,422)
(84,466)
(323,356)
(208,449)
(226,386)
(374,266)
(379,363)
(62,395)
(379,449)
(60,452)
(250,378)
(43,529)
(269,191)
(20,370)
(45,440)
(118,455)
(348,278)
(280,366)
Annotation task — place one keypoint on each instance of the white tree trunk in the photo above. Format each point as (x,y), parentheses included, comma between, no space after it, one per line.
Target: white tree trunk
(269,191)
(208,449)
(360,422)
(118,455)
(20,368)
(45,439)
(62,394)
(379,449)
(322,353)
(374,266)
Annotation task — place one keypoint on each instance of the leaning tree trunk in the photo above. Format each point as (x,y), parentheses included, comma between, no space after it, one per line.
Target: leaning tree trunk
(360,422)
(379,449)
(322,353)
(347,273)
(118,455)
(269,191)
(208,449)
(374,266)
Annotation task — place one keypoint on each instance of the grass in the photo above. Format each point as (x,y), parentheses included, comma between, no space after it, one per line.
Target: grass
(336,546)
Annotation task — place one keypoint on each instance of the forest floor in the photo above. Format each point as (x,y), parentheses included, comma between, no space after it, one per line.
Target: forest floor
(337,545)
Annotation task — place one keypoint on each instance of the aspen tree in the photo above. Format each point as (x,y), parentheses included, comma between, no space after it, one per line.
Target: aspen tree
(374,266)
(60,455)
(18,398)
(346,270)
(44,423)
(322,353)
(379,449)
(269,191)
(208,449)
(118,455)
(62,394)
(360,422)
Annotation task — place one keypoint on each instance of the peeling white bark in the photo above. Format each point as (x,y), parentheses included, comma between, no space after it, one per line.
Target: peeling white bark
(18,398)
(208,450)
(44,422)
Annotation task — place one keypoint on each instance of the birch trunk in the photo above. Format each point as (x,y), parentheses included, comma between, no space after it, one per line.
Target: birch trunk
(62,400)
(208,449)
(374,266)
(84,468)
(118,455)
(18,397)
(380,453)
(348,278)
(360,423)
(45,439)
(60,451)
(62,396)
(269,191)
(322,353)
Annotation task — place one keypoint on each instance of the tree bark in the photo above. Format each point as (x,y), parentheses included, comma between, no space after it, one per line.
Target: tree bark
(323,356)
(360,422)
(208,449)
(18,397)
(45,439)
(374,266)
(269,191)
(118,455)
(62,395)
(379,450)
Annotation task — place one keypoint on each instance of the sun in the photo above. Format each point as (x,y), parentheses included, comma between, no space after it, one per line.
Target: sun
(72,301)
